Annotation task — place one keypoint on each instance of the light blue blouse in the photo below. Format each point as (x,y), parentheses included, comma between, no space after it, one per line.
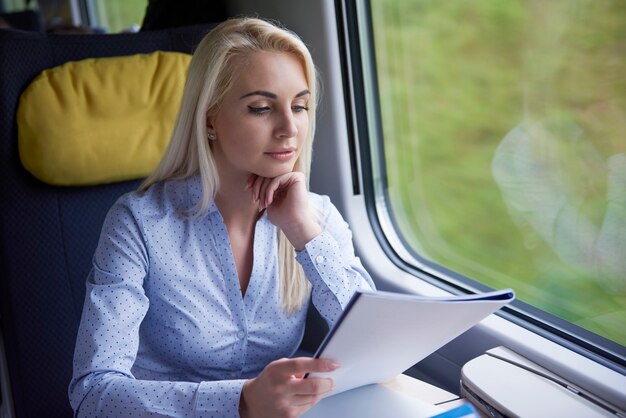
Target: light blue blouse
(165,329)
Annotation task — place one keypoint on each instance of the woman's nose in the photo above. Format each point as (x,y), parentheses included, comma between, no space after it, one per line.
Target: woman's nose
(286,126)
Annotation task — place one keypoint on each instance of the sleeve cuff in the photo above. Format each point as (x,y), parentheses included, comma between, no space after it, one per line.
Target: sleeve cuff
(219,399)
(324,267)
(321,257)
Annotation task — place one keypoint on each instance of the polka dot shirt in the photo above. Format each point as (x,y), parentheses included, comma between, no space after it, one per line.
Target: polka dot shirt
(165,329)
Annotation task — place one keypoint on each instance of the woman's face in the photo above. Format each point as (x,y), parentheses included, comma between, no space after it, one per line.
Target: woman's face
(262,123)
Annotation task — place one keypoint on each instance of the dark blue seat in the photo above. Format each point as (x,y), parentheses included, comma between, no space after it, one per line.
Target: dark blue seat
(48,234)
(24,20)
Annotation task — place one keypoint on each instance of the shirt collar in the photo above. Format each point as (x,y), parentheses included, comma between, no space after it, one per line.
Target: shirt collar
(194,193)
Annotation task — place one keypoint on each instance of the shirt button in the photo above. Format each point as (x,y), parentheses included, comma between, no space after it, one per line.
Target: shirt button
(241,334)
(319,259)
(233,375)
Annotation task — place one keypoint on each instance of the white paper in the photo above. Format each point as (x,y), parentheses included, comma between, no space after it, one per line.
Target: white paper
(382,334)
(372,401)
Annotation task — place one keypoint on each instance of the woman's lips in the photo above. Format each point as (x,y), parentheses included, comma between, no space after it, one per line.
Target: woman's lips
(282,155)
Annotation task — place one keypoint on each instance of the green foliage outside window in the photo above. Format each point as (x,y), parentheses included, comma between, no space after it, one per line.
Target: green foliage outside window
(503,124)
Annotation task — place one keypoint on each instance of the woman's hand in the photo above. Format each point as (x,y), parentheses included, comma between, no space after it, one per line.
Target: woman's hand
(286,199)
(280,391)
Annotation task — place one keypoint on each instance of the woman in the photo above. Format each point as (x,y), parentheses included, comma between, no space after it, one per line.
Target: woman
(197,298)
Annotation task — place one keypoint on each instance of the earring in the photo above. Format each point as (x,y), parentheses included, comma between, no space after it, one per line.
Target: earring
(211,136)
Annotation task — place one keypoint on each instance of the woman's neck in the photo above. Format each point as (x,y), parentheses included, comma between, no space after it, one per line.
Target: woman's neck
(240,215)
(235,203)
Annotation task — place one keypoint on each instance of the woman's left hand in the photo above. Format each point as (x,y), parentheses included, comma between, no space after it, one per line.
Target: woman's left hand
(286,200)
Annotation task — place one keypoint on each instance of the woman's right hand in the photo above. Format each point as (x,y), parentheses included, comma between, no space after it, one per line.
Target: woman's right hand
(280,390)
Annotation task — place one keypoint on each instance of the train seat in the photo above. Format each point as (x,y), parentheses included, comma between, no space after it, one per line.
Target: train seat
(48,233)
(24,20)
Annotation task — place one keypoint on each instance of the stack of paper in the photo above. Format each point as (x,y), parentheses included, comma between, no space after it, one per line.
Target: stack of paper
(381,334)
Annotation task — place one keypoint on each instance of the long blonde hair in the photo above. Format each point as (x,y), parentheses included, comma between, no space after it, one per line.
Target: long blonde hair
(210,76)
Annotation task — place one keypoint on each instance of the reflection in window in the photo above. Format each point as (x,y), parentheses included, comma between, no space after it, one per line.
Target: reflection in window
(504,129)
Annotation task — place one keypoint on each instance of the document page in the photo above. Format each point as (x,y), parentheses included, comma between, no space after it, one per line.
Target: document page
(381,334)
(372,401)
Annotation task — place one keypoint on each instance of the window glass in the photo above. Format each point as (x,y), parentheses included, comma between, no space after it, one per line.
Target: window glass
(9,6)
(504,126)
(118,15)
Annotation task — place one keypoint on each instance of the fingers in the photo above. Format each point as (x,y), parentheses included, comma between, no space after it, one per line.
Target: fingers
(306,401)
(250,181)
(254,185)
(311,387)
(305,391)
(269,191)
(278,391)
(258,187)
(298,365)
(263,189)
(265,197)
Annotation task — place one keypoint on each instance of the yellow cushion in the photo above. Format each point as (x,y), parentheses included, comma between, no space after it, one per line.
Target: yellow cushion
(100,120)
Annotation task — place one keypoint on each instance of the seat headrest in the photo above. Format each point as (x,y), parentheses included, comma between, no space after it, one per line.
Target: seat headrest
(100,120)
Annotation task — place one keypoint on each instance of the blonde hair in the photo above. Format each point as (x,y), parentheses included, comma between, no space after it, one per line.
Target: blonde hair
(210,76)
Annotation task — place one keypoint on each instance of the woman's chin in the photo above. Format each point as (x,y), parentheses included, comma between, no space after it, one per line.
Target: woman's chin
(274,171)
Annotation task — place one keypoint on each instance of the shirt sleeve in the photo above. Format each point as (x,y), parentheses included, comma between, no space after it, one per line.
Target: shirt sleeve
(108,339)
(331,266)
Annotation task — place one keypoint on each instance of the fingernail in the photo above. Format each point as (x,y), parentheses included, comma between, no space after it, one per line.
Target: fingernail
(331,365)
(250,181)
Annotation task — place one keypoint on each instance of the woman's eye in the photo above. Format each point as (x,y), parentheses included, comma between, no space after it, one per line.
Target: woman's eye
(258,110)
(299,108)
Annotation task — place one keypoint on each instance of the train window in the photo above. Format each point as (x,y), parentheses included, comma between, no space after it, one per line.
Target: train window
(10,6)
(502,145)
(117,15)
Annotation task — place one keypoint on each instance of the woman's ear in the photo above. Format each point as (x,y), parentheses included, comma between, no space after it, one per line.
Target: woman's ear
(209,122)
(210,129)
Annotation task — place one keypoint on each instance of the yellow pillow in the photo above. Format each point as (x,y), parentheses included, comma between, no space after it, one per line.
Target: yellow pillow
(100,120)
